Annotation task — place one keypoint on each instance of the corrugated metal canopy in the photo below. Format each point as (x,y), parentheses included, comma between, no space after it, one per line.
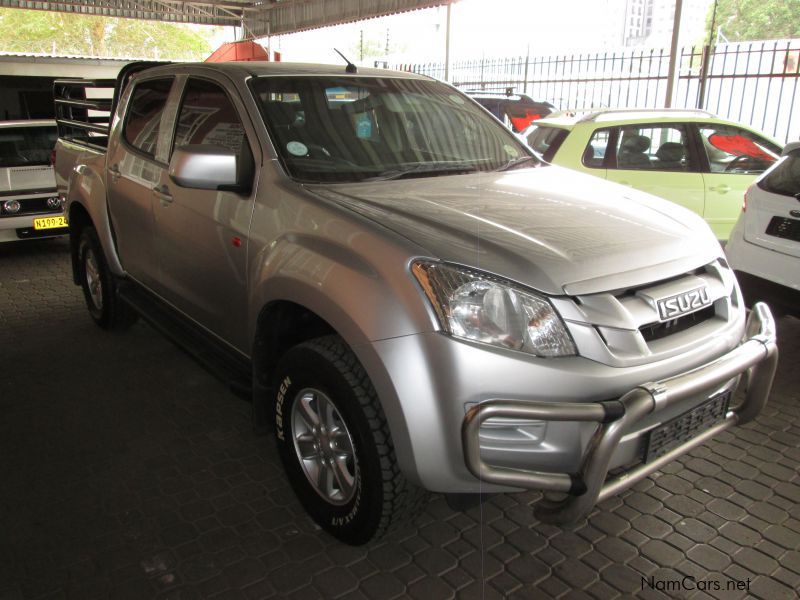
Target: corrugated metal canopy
(266,17)
(296,15)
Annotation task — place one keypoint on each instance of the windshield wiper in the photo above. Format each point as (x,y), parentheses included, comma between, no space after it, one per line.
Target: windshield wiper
(518,162)
(424,170)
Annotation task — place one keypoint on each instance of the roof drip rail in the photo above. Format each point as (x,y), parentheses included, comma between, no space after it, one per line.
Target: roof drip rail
(594,115)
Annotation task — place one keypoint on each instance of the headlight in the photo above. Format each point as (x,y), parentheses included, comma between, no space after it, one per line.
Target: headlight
(480,307)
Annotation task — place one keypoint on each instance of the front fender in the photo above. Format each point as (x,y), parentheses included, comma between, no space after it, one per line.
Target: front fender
(363,296)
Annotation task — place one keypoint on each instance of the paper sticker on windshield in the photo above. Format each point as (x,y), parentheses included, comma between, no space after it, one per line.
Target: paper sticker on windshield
(456,99)
(297,148)
(511,151)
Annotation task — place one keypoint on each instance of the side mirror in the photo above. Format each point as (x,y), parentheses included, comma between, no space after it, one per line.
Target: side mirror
(790,147)
(208,167)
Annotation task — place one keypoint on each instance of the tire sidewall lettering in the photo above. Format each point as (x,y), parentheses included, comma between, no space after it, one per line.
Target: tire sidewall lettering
(279,403)
(345,520)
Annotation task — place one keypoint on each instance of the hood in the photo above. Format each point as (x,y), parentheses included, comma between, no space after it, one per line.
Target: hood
(552,229)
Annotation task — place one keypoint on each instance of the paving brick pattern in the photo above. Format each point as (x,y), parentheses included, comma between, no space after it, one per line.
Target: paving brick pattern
(127,471)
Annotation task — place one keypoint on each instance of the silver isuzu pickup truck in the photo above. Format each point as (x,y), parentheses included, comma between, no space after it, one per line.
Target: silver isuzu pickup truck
(415,301)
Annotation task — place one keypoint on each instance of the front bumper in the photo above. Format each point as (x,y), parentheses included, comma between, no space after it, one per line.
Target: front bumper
(13,228)
(757,356)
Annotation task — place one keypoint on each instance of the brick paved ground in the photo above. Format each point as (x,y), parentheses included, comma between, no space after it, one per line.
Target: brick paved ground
(127,471)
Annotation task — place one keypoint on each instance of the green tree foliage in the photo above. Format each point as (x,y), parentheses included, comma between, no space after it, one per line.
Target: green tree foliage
(64,34)
(743,20)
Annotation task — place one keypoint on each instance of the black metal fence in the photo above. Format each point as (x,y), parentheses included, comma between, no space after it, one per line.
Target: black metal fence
(751,82)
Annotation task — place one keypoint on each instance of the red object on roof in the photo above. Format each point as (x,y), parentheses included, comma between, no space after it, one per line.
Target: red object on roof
(245,50)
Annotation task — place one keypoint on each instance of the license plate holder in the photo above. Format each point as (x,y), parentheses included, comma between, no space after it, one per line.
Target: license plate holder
(50,223)
(683,428)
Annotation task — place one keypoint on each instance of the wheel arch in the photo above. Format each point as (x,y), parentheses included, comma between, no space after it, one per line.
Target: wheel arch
(283,323)
(86,199)
(79,219)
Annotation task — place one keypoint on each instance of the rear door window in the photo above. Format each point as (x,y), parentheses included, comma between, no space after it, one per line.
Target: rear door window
(785,179)
(26,146)
(546,140)
(652,147)
(732,149)
(143,120)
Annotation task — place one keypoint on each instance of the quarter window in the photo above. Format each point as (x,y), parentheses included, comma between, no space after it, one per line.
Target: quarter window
(546,140)
(648,147)
(595,152)
(734,150)
(143,121)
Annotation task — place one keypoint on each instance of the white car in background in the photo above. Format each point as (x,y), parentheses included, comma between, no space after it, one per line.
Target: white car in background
(764,247)
(29,205)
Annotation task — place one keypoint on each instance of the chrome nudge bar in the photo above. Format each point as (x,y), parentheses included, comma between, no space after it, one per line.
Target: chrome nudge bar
(757,355)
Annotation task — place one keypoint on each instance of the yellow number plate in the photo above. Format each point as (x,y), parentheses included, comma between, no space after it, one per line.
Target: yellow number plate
(50,223)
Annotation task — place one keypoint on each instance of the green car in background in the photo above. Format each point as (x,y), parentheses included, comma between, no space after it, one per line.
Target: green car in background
(690,157)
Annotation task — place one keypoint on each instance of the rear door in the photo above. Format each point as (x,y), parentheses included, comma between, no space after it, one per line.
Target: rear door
(772,219)
(135,164)
(201,235)
(733,157)
(658,159)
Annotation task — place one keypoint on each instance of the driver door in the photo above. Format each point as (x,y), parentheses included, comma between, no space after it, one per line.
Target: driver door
(657,159)
(201,235)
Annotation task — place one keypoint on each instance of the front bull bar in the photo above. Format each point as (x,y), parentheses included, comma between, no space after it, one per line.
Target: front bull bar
(758,356)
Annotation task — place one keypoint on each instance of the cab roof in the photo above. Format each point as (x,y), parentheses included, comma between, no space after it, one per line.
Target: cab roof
(261,69)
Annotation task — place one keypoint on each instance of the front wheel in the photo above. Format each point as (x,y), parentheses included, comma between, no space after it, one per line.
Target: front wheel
(335,445)
(99,287)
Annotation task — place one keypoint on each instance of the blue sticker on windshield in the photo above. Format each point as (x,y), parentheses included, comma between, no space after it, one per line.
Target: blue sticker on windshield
(364,126)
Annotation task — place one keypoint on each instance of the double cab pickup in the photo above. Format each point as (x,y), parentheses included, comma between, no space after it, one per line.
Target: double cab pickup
(415,302)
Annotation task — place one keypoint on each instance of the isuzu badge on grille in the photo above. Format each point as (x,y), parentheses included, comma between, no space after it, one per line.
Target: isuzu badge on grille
(683,303)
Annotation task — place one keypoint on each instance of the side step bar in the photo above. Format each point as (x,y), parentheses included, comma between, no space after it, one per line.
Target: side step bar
(224,363)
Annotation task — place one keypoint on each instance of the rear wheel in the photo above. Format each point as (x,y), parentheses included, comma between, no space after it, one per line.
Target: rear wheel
(99,286)
(335,445)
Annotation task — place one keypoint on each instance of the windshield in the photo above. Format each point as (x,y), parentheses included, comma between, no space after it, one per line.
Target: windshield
(26,146)
(348,129)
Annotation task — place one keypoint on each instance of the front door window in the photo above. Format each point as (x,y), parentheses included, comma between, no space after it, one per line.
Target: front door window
(732,149)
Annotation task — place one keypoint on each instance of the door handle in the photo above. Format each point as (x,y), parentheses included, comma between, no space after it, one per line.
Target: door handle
(625,183)
(115,173)
(162,193)
(721,189)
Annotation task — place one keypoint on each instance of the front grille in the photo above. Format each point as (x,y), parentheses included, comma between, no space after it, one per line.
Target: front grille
(783,227)
(30,206)
(656,331)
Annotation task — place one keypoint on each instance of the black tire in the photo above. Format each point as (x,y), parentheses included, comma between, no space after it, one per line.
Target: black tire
(379,497)
(99,286)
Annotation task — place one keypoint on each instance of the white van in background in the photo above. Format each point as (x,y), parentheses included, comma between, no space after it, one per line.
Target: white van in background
(29,205)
